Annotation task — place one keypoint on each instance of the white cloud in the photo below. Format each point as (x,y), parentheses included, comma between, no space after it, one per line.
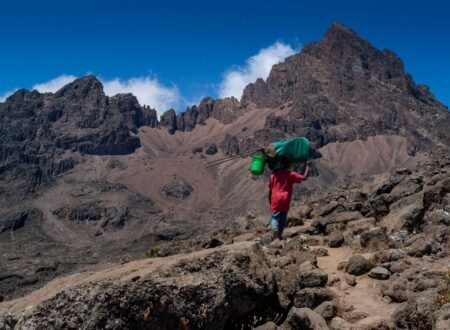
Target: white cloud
(54,85)
(257,66)
(148,91)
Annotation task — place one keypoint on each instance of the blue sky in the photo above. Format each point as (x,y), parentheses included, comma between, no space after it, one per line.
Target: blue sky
(172,53)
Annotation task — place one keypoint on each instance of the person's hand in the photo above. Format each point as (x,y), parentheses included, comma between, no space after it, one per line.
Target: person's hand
(309,163)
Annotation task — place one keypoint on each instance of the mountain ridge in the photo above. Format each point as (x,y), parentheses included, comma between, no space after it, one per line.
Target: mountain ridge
(87,179)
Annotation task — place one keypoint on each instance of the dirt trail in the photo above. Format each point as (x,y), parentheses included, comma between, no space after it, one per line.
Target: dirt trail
(365,295)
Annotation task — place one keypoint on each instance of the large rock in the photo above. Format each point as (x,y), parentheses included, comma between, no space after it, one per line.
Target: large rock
(357,265)
(312,297)
(419,246)
(204,290)
(327,310)
(335,239)
(304,319)
(390,255)
(419,311)
(398,292)
(379,273)
(374,238)
(313,278)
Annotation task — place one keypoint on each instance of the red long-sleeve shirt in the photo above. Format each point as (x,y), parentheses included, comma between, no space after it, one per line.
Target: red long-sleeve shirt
(280,185)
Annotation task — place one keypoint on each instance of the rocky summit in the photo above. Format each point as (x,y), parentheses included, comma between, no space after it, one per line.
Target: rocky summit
(112,218)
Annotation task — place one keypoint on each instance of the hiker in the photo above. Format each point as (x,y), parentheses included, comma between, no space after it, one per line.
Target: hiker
(280,193)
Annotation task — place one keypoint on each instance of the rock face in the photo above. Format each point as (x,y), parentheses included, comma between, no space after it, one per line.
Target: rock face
(224,110)
(232,287)
(37,129)
(216,290)
(14,220)
(341,89)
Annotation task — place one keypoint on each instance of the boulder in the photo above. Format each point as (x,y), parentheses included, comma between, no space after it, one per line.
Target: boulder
(320,252)
(335,239)
(313,278)
(207,290)
(408,217)
(327,310)
(398,266)
(304,319)
(419,246)
(357,265)
(438,217)
(390,255)
(312,297)
(350,279)
(300,257)
(379,273)
(398,292)
(418,310)
(295,277)
(358,226)
(374,238)
(301,211)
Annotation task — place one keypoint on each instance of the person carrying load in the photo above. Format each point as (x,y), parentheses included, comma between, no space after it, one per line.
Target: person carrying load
(280,156)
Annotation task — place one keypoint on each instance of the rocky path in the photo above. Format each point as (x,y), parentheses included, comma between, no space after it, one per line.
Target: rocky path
(365,257)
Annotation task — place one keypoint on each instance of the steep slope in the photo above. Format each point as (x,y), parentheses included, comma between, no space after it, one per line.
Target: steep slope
(346,267)
(344,89)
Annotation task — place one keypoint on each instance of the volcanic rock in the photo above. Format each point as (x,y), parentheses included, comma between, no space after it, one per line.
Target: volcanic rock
(379,273)
(312,297)
(178,189)
(352,71)
(335,239)
(374,238)
(304,318)
(327,310)
(357,265)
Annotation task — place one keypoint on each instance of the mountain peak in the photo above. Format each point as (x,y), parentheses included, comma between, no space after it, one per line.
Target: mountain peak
(337,27)
(82,88)
(339,34)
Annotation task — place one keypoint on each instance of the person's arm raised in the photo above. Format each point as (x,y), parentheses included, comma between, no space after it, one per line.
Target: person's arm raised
(308,169)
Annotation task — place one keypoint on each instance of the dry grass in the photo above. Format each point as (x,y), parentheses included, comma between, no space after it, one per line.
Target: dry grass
(444,294)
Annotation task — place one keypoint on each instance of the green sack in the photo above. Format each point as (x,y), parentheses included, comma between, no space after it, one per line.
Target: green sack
(295,151)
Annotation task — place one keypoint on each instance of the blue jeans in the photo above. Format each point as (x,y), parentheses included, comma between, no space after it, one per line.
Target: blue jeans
(278,221)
